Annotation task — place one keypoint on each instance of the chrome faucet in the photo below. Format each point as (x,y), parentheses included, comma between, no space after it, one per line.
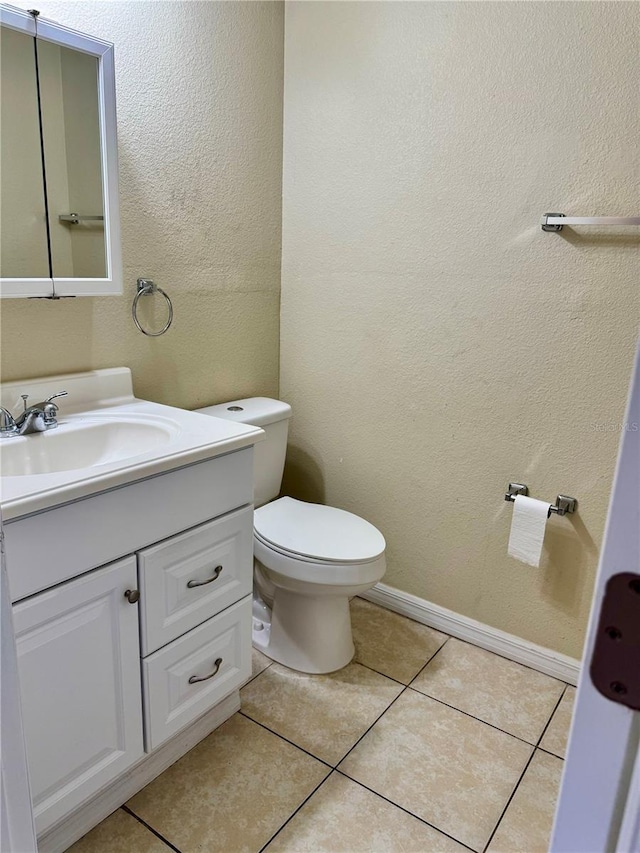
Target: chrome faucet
(37,418)
(7,423)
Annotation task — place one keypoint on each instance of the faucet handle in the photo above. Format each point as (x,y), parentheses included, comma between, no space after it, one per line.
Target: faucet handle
(7,423)
(58,394)
(50,410)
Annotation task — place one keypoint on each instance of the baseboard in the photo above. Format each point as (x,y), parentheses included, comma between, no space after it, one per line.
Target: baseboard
(109,799)
(507,645)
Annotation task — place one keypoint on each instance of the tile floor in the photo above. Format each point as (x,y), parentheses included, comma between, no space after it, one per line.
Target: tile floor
(423,743)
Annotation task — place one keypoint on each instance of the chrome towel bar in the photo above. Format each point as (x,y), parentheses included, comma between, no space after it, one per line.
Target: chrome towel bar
(564,504)
(556,221)
(75,218)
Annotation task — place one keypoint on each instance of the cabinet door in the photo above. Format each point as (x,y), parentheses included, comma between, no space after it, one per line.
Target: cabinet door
(78,662)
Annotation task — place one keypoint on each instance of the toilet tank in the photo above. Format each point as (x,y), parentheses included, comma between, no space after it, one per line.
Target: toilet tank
(268,460)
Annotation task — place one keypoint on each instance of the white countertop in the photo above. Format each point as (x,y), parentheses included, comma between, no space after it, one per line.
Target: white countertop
(107,396)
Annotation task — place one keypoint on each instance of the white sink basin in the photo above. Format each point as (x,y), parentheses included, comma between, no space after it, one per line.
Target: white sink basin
(81,443)
(106,438)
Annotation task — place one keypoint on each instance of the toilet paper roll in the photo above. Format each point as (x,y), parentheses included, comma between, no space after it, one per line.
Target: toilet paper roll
(528,527)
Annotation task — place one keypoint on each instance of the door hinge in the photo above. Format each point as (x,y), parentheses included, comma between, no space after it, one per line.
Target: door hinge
(615,664)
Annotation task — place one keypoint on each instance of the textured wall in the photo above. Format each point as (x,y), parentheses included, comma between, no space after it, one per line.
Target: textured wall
(199,89)
(435,344)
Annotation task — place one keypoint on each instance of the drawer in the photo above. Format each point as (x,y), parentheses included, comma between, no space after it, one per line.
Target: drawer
(52,546)
(189,578)
(217,654)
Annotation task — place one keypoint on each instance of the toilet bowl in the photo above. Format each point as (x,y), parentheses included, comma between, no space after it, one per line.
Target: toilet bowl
(309,559)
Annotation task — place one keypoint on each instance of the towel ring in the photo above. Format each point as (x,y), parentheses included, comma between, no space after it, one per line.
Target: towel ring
(144,286)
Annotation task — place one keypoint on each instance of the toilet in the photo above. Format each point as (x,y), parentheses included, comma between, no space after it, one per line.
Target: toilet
(309,559)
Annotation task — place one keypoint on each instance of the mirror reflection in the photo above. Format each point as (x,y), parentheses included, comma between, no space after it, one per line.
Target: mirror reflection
(57,194)
(23,230)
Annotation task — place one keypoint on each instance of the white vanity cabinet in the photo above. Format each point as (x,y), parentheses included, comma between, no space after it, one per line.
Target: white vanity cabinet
(79,667)
(125,658)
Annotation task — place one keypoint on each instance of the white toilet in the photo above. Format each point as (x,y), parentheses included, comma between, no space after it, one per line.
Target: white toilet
(309,559)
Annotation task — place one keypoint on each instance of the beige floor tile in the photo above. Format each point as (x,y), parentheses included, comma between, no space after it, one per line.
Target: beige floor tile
(555,737)
(527,823)
(119,833)
(232,792)
(390,643)
(324,714)
(259,662)
(512,697)
(443,766)
(343,816)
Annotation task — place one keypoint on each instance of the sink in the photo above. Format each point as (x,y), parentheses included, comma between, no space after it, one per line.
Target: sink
(81,443)
(105,438)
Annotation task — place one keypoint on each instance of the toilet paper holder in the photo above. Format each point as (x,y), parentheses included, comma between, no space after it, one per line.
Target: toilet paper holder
(563,504)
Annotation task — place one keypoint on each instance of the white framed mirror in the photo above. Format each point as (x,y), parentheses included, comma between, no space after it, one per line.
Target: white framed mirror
(59,216)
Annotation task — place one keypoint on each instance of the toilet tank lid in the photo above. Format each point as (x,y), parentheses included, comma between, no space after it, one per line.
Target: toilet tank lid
(257,411)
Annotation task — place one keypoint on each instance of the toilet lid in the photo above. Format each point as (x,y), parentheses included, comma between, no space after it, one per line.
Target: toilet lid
(318,532)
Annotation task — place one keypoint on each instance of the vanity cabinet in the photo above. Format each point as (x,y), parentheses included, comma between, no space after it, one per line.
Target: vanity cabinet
(119,659)
(79,667)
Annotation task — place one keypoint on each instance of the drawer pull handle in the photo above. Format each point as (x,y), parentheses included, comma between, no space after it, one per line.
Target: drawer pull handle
(216,572)
(196,678)
(132,595)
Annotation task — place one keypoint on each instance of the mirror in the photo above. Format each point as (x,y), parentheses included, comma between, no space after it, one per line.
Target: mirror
(71,137)
(59,229)
(23,232)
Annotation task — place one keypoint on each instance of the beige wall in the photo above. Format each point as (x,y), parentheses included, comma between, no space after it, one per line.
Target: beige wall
(199,98)
(435,344)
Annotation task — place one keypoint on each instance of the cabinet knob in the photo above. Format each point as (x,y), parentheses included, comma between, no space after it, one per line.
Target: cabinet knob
(132,595)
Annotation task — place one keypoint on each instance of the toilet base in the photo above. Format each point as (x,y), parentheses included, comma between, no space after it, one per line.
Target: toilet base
(308,633)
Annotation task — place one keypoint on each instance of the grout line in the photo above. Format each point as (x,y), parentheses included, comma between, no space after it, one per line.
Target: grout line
(364,734)
(404,687)
(544,730)
(495,829)
(397,680)
(282,737)
(291,816)
(257,675)
(548,752)
(437,651)
(467,642)
(479,719)
(403,809)
(508,803)
(377,671)
(171,846)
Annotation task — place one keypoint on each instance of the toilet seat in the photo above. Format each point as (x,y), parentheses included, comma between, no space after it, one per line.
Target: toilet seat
(310,577)
(316,533)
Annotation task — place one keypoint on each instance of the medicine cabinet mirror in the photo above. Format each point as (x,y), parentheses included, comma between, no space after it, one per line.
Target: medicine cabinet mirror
(59,214)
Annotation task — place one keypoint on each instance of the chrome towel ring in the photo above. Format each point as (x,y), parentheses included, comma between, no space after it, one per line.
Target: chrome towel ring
(144,286)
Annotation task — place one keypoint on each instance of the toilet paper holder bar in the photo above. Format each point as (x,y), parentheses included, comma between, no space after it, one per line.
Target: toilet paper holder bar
(563,504)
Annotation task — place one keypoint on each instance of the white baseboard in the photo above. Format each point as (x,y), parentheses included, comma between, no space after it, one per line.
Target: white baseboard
(94,811)
(507,645)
